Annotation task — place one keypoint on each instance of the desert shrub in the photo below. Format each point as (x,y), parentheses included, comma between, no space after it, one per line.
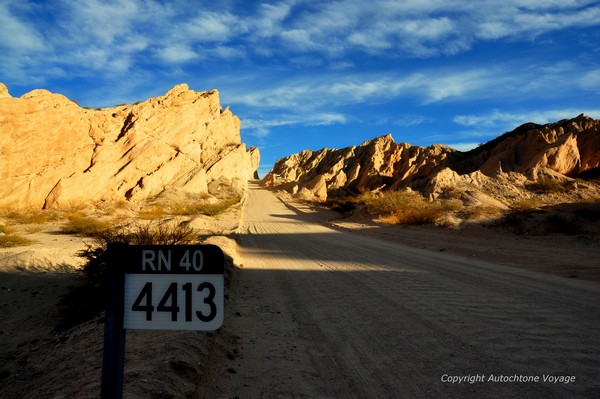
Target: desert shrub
(13,240)
(29,216)
(155,233)
(481,212)
(152,212)
(203,207)
(86,301)
(5,229)
(526,204)
(79,223)
(9,239)
(548,185)
(406,208)
(343,205)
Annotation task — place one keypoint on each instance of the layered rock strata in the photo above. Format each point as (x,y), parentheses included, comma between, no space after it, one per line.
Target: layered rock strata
(563,150)
(53,153)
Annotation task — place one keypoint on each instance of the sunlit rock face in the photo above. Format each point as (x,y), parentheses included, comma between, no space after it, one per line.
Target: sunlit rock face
(563,150)
(53,153)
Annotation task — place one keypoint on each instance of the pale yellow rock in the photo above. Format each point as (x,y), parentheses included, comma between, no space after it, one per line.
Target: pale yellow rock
(54,153)
(493,174)
(3,91)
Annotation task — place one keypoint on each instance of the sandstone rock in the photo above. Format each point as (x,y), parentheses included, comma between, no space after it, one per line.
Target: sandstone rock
(54,153)
(3,91)
(569,147)
(492,175)
(376,164)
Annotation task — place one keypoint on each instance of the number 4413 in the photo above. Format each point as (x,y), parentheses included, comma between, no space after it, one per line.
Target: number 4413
(169,301)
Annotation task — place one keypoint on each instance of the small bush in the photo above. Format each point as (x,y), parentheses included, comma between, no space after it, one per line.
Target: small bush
(8,239)
(5,229)
(11,240)
(526,204)
(548,185)
(406,208)
(78,223)
(86,302)
(29,216)
(203,207)
(152,212)
(156,233)
(481,212)
(343,205)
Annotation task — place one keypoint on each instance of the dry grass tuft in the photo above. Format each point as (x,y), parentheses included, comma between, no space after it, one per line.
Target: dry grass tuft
(482,212)
(203,207)
(196,206)
(548,185)
(407,208)
(527,204)
(29,216)
(79,223)
(152,212)
(9,239)
(170,232)
(86,301)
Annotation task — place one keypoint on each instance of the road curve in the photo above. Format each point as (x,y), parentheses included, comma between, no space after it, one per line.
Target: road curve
(319,313)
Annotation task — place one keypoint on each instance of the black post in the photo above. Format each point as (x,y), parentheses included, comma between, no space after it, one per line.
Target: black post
(113,361)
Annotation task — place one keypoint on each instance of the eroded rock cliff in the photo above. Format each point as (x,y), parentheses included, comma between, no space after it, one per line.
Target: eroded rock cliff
(563,150)
(54,153)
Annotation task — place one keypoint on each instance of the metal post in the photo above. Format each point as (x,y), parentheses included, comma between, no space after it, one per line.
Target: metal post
(114,334)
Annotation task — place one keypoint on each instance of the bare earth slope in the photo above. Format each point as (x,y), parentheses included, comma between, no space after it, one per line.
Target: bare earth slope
(321,313)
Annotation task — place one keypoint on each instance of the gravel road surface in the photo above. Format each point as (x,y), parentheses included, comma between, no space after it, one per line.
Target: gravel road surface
(319,313)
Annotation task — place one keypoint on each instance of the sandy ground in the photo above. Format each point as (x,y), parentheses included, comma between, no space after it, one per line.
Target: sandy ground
(38,359)
(571,256)
(322,312)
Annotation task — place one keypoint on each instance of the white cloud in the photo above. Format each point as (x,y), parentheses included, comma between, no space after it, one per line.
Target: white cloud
(18,35)
(180,32)
(261,128)
(212,27)
(510,120)
(590,80)
(177,54)
(103,20)
(268,20)
(336,89)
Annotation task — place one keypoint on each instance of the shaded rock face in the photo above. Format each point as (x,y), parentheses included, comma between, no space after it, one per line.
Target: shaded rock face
(565,149)
(54,153)
(568,147)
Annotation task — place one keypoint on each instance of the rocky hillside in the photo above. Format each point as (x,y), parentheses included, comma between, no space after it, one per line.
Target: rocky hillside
(53,153)
(497,170)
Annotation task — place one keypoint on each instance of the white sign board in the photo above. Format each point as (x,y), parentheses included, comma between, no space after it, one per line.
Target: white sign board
(174,287)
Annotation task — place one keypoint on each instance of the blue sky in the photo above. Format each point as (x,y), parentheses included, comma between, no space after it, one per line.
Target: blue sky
(314,74)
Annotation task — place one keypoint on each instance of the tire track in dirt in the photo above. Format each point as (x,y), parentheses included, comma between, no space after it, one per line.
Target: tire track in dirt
(322,313)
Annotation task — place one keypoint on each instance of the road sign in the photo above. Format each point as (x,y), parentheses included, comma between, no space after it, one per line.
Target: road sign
(173,287)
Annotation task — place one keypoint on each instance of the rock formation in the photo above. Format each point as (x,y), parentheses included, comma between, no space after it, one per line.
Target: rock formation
(565,149)
(54,153)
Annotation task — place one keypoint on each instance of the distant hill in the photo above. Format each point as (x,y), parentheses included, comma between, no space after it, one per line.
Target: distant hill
(499,170)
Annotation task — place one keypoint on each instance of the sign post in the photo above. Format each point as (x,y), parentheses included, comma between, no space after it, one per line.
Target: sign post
(159,287)
(114,333)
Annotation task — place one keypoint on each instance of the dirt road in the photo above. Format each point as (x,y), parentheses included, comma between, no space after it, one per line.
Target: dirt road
(319,313)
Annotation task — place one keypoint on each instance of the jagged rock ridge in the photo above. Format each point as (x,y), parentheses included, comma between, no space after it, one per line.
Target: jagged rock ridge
(54,153)
(565,149)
